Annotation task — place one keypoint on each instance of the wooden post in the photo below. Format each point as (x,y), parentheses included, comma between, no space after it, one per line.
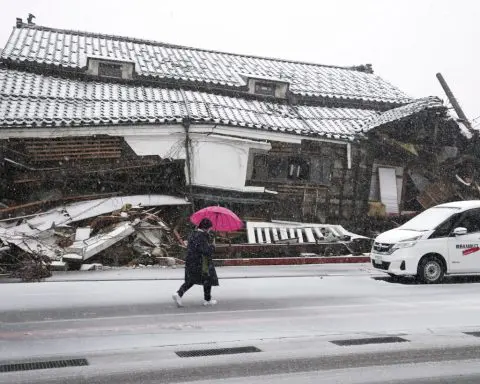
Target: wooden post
(186,125)
(356,184)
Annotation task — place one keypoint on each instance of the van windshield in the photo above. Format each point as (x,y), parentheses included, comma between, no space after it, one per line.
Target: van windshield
(429,219)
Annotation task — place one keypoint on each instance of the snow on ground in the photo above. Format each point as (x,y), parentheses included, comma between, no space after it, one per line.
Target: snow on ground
(425,373)
(74,317)
(289,312)
(159,273)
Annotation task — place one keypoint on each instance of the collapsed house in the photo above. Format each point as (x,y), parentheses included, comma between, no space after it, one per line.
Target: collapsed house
(419,152)
(72,234)
(84,113)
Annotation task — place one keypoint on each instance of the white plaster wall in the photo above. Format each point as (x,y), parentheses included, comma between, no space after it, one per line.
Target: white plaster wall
(166,146)
(221,162)
(216,161)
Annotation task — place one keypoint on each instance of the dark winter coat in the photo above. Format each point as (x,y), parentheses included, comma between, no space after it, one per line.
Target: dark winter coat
(199,254)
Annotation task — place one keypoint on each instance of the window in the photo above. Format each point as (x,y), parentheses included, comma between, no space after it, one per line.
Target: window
(264,88)
(110,70)
(266,85)
(282,168)
(298,169)
(471,221)
(444,229)
(106,67)
(260,167)
(320,170)
(277,167)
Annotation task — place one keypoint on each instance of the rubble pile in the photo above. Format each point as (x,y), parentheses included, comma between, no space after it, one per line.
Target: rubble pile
(113,231)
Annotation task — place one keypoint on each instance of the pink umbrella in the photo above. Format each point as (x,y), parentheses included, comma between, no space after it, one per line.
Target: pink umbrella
(223,219)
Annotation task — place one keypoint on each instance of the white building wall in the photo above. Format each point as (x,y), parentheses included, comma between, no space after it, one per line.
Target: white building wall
(216,161)
(221,161)
(166,146)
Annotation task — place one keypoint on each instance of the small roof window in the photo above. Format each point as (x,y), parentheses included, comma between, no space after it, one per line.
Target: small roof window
(110,70)
(106,67)
(266,86)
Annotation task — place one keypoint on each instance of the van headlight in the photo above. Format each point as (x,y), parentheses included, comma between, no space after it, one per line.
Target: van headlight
(404,244)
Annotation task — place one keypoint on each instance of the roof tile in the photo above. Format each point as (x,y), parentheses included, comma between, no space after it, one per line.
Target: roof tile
(419,105)
(71,49)
(33,99)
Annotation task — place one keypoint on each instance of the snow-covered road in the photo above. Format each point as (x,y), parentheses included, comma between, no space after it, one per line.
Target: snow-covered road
(285,313)
(159,273)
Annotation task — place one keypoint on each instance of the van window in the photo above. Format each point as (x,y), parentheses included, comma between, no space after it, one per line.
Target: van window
(429,219)
(471,221)
(444,229)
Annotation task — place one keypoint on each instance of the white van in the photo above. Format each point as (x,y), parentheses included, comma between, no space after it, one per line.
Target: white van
(441,240)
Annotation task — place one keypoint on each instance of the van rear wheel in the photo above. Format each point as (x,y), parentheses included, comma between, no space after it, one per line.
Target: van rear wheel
(430,270)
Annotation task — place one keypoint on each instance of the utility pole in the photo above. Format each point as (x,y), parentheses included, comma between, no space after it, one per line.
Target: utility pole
(186,125)
(454,102)
(186,121)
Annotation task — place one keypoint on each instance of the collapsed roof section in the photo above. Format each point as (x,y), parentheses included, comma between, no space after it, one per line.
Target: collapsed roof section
(409,111)
(405,111)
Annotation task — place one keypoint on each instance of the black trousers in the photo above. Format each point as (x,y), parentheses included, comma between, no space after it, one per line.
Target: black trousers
(207,290)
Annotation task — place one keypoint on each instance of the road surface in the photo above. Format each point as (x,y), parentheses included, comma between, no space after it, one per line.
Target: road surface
(130,330)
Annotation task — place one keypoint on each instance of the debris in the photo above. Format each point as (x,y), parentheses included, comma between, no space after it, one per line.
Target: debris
(33,267)
(159,252)
(166,261)
(58,265)
(73,257)
(288,239)
(4,248)
(88,209)
(109,230)
(91,267)
(83,233)
(278,232)
(92,246)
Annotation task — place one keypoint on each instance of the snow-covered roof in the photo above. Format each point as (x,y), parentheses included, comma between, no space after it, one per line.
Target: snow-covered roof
(462,205)
(30,99)
(405,111)
(37,45)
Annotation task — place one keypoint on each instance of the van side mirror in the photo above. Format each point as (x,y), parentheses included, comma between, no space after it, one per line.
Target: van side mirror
(460,231)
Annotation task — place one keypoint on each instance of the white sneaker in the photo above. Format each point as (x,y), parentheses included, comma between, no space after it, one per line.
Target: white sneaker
(209,303)
(178,300)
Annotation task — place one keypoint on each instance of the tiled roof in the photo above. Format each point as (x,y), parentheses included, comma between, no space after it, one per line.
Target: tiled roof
(419,105)
(29,99)
(70,49)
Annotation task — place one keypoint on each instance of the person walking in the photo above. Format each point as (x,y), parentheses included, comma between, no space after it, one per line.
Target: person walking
(199,268)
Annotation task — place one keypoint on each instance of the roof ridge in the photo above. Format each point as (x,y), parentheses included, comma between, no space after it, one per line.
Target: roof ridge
(354,68)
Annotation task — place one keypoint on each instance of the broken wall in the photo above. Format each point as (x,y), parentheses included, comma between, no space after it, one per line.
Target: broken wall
(43,169)
(423,152)
(316,181)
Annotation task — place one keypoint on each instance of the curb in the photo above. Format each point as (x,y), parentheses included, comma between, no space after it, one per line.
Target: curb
(291,261)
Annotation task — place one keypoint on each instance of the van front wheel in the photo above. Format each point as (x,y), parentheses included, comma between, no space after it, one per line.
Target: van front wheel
(430,270)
